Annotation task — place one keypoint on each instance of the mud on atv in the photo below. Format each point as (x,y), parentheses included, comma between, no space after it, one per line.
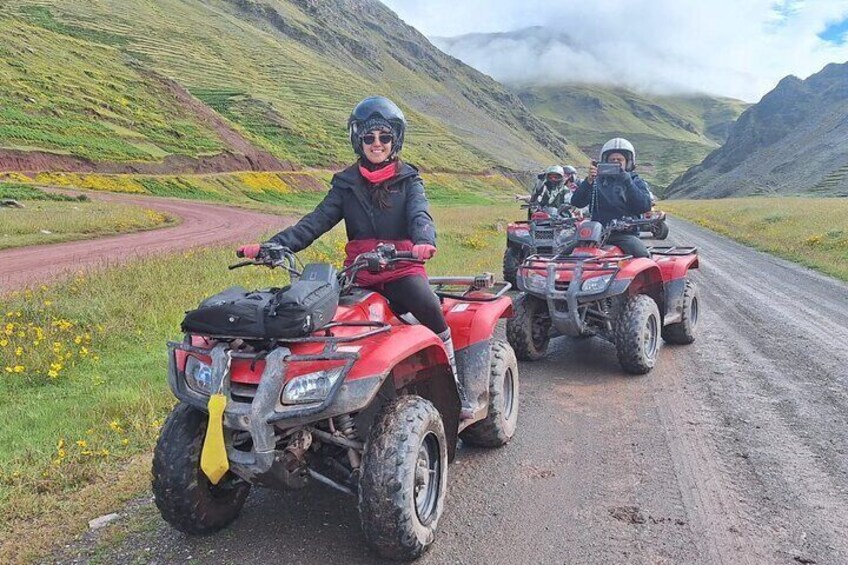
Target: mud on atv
(367,405)
(596,290)
(537,235)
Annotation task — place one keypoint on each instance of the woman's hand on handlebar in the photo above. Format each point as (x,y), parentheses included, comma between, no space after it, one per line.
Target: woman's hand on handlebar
(423,251)
(249,251)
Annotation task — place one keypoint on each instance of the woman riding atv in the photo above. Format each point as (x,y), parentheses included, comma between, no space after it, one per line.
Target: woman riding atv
(616,193)
(381,200)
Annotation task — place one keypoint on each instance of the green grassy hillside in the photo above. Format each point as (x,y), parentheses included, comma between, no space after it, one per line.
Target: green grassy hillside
(110,81)
(670,133)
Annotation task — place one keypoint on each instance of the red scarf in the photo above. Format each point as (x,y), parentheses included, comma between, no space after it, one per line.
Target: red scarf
(382,174)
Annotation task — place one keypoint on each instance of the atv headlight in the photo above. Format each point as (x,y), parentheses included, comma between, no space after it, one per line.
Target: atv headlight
(535,281)
(312,387)
(595,284)
(521,232)
(198,375)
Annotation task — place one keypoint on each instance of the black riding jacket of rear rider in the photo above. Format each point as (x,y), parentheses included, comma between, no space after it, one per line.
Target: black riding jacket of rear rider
(406,218)
(612,197)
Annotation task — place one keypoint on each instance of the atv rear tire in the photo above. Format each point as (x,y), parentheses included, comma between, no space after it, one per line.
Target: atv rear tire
(499,426)
(404,478)
(683,332)
(511,262)
(528,331)
(660,230)
(637,334)
(185,497)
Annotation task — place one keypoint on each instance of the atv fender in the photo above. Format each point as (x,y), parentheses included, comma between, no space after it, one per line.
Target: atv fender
(647,279)
(473,322)
(515,240)
(676,267)
(675,270)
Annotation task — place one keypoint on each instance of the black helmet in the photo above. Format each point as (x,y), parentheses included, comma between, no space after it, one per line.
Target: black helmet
(373,113)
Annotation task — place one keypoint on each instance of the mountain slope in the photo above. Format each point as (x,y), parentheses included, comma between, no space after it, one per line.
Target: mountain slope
(670,132)
(108,81)
(588,97)
(794,141)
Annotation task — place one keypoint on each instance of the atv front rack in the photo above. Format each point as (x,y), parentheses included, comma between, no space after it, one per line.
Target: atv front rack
(673,250)
(378,327)
(473,285)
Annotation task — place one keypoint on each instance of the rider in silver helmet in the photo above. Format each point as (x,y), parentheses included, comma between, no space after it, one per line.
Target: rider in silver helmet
(614,196)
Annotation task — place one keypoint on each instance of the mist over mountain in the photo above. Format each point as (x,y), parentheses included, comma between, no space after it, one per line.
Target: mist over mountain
(551,56)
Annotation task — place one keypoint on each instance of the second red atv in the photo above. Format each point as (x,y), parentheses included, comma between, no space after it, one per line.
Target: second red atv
(366,404)
(597,290)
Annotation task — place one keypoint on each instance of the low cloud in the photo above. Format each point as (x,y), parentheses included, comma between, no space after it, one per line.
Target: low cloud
(722,47)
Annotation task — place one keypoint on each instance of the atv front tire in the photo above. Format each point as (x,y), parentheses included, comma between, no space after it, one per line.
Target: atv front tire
(511,262)
(404,478)
(499,426)
(185,497)
(637,334)
(683,332)
(528,331)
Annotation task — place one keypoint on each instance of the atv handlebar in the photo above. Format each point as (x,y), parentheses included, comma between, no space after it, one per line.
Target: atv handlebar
(271,255)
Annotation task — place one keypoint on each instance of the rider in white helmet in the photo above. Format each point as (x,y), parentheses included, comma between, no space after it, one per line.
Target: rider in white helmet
(551,190)
(613,196)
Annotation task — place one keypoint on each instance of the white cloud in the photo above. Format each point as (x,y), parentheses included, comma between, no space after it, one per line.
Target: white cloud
(725,47)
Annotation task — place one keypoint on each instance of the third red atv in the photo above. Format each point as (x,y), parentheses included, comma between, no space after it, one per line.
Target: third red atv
(597,290)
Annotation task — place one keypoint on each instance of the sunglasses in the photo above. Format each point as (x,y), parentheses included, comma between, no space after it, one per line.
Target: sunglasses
(370,138)
(555,178)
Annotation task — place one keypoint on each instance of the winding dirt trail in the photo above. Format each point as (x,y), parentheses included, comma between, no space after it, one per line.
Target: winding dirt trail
(201,224)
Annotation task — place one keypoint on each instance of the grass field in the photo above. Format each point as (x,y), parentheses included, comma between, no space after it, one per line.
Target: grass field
(89,79)
(82,374)
(809,231)
(50,218)
(292,190)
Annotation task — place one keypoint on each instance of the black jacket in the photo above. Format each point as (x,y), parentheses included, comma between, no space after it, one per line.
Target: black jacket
(407,216)
(613,197)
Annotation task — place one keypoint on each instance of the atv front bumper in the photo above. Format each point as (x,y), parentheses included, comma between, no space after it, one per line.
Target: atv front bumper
(566,305)
(264,415)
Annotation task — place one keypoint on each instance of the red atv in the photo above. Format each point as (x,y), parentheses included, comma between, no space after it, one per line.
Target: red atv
(366,405)
(597,290)
(537,235)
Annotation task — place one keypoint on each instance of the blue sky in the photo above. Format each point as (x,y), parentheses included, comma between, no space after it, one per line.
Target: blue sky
(836,33)
(737,48)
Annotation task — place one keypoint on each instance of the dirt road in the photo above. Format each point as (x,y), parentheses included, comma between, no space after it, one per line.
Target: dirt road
(734,450)
(202,224)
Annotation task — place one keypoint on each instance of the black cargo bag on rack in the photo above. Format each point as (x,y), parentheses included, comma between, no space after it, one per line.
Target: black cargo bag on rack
(296,310)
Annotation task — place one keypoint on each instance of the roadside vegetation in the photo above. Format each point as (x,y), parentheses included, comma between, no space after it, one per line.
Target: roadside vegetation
(83,366)
(292,190)
(51,218)
(809,231)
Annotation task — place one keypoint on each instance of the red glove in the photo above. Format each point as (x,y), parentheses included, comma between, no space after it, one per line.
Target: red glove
(249,251)
(423,251)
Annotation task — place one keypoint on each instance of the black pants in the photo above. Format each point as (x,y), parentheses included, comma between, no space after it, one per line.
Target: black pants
(414,295)
(628,243)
